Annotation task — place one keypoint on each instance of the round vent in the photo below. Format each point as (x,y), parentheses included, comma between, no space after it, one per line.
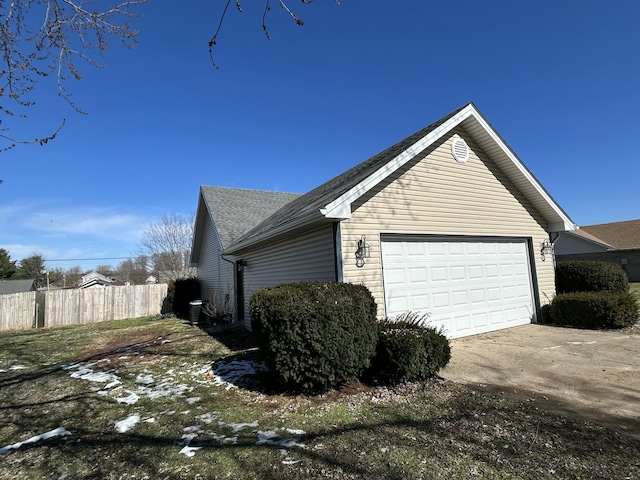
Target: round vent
(460,150)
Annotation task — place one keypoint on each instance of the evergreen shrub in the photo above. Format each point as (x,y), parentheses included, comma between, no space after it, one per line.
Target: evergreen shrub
(590,276)
(315,335)
(408,350)
(595,310)
(185,290)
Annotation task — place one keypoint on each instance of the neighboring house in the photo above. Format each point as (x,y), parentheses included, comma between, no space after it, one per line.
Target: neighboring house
(167,276)
(17,286)
(617,242)
(95,279)
(448,221)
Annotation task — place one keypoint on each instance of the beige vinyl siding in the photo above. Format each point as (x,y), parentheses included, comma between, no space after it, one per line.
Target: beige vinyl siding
(215,274)
(308,257)
(437,195)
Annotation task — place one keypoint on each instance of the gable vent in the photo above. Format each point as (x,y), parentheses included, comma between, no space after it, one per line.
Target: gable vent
(460,150)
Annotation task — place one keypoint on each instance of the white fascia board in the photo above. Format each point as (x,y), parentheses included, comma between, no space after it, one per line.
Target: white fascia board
(340,208)
(565,223)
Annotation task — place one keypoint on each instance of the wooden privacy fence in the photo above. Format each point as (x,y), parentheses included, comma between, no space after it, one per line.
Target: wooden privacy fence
(78,306)
(17,311)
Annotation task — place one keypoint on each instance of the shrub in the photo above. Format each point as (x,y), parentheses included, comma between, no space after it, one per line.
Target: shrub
(595,309)
(408,349)
(590,276)
(315,335)
(185,290)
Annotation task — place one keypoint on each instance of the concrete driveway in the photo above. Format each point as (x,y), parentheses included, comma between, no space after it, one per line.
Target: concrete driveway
(588,372)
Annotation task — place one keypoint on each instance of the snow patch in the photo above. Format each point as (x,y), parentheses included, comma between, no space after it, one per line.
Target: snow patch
(271,437)
(87,373)
(130,399)
(236,427)
(228,374)
(145,379)
(127,424)
(58,432)
(208,417)
(189,451)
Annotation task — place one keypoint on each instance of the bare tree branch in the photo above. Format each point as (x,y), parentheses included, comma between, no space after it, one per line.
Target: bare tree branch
(267,9)
(66,36)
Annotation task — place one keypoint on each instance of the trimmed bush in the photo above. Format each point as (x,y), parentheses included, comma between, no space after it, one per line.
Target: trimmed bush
(590,276)
(315,335)
(595,309)
(185,290)
(408,350)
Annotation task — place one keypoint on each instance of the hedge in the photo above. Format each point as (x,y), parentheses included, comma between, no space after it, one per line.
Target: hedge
(315,335)
(595,310)
(185,290)
(590,276)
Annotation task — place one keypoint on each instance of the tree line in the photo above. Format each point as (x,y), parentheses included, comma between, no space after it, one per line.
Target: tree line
(166,247)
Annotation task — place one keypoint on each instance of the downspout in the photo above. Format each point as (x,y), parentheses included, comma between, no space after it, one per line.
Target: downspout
(337,251)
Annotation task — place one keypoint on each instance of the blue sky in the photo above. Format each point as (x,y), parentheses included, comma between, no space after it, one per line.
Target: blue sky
(559,80)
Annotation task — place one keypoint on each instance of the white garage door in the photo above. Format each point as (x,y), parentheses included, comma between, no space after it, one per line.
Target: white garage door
(467,286)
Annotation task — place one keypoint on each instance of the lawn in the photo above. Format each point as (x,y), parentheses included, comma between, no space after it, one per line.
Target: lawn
(158,399)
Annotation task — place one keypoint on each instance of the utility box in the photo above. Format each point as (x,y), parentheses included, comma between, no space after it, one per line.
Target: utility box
(195,307)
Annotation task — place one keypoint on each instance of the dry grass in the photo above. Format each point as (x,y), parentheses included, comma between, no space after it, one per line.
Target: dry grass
(434,429)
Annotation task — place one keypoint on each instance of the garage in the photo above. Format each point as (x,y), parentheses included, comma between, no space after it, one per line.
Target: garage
(468,285)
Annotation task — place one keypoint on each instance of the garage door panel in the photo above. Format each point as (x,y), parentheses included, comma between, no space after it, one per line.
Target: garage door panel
(439,274)
(418,274)
(467,287)
(478,296)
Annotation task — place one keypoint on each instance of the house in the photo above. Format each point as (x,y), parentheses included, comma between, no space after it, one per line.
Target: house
(95,279)
(448,222)
(616,242)
(17,286)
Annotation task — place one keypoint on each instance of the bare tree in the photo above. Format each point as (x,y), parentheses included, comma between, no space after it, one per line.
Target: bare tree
(168,244)
(47,38)
(133,270)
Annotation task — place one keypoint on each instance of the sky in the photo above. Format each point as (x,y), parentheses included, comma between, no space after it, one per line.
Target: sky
(558,80)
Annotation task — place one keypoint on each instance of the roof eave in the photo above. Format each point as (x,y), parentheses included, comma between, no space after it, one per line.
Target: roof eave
(242,246)
(198,228)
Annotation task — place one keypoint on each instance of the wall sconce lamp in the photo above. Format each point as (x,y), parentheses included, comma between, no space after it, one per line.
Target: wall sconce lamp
(546,248)
(362,251)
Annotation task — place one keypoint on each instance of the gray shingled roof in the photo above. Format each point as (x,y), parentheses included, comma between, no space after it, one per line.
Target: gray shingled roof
(16,286)
(236,210)
(306,209)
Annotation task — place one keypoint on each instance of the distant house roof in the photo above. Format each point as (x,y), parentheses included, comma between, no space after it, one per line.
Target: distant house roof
(336,198)
(17,286)
(616,235)
(94,278)
(235,211)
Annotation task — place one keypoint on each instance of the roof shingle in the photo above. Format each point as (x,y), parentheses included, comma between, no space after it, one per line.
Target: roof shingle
(237,210)
(617,234)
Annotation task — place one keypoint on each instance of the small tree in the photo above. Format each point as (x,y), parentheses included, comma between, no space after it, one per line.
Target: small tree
(32,267)
(168,244)
(72,276)
(133,271)
(7,266)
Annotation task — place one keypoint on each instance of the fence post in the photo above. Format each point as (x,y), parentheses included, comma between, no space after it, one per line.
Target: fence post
(38,321)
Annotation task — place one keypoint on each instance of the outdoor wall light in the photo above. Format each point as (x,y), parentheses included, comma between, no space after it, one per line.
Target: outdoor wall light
(362,251)
(546,248)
